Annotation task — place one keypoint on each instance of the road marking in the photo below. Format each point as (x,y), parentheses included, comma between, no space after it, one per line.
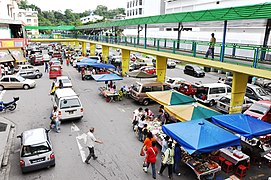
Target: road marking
(74,128)
(120,109)
(81,141)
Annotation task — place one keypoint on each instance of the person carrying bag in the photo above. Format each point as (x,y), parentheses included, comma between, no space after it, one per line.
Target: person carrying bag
(151,159)
(168,161)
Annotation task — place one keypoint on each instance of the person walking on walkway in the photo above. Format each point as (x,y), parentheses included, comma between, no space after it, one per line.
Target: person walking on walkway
(211,48)
(90,144)
(46,67)
(55,123)
(151,158)
(168,161)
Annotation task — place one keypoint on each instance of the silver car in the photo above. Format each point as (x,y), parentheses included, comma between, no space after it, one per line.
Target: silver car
(36,150)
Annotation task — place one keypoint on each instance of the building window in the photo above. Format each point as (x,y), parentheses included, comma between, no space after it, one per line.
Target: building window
(127,4)
(28,20)
(127,13)
(133,3)
(133,12)
(136,11)
(140,2)
(168,29)
(8,9)
(136,2)
(140,11)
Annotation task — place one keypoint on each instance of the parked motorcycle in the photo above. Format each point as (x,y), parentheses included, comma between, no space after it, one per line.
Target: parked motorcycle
(9,105)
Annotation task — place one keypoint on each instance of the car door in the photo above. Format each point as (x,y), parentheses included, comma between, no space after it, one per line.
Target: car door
(15,83)
(5,82)
(250,94)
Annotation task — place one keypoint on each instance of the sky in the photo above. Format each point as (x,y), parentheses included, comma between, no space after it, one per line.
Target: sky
(77,7)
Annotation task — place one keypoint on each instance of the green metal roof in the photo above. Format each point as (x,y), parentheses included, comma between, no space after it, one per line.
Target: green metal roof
(65,28)
(258,11)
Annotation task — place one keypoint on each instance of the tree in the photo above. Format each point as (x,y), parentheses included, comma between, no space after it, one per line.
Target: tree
(101,10)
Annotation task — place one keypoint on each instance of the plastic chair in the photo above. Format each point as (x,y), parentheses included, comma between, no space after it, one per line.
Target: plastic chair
(227,167)
(221,160)
(241,171)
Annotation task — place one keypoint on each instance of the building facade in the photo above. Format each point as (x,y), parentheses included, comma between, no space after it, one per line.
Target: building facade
(8,9)
(142,8)
(29,18)
(91,18)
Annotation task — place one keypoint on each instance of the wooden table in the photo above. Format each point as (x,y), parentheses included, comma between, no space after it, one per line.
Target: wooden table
(230,157)
(110,96)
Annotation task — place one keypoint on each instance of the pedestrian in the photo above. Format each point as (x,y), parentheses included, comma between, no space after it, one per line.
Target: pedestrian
(6,69)
(67,62)
(145,131)
(53,88)
(141,124)
(149,113)
(90,144)
(165,144)
(168,161)
(177,159)
(83,73)
(46,67)
(148,141)
(136,116)
(211,48)
(151,158)
(60,84)
(55,123)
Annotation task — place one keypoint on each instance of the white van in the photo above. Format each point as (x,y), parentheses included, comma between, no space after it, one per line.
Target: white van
(210,93)
(68,104)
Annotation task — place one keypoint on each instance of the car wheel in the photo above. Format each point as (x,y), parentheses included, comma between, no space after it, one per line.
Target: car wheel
(1,88)
(38,76)
(212,103)
(26,87)
(146,102)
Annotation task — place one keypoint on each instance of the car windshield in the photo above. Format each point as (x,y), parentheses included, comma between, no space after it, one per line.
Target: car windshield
(261,92)
(259,109)
(197,68)
(136,87)
(35,149)
(170,81)
(20,78)
(66,81)
(225,100)
(69,103)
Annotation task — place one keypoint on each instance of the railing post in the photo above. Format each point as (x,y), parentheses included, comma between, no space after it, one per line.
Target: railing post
(174,47)
(165,44)
(125,39)
(158,44)
(131,40)
(194,49)
(134,41)
(154,42)
(256,57)
(233,50)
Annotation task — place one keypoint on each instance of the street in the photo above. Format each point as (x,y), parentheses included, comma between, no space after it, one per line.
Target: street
(118,157)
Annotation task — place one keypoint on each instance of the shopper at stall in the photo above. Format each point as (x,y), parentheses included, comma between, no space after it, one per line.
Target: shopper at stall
(145,132)
(151,158)
(168,161)
(177,159)
(141,124)
(165,144)
(136,116)
(149,113)
(148,141)
(161,116)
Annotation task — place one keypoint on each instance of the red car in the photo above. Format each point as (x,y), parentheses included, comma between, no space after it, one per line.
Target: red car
(148,69)
(260,110)
(55,71)
(57,55)
(187,89)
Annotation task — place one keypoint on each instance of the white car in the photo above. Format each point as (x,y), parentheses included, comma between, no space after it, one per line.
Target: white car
(65,80)
(223,104)
(26,68)
(46,57)
(171,64)
(174,82)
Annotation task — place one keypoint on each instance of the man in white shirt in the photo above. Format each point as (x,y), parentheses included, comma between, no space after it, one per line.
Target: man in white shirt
(91,140)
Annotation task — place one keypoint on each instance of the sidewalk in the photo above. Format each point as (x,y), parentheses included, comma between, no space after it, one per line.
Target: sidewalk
(7,131)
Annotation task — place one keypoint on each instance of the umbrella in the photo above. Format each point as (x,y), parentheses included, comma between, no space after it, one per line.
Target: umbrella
(200,136)
(171,97)
(244,125)
(191,111)
(140,74)
(106,77)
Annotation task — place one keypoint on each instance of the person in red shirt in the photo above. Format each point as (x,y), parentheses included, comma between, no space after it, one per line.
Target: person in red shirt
(151,158)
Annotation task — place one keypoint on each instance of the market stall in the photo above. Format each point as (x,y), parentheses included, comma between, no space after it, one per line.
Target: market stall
(206,137)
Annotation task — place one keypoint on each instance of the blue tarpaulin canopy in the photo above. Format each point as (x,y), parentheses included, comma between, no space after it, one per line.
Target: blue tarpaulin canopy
(88,60)
(106,77)
(96,65)
(244,125)
(200,136)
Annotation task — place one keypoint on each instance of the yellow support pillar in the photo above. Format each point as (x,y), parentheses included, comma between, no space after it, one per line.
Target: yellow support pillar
(76,44)
(125,58)
(239,84)
(161,67)
(84,48)
(105,53)
(92,49)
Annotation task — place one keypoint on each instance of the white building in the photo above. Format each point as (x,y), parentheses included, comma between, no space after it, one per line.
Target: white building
(141,8)
(8,9)
(29,18)
(91,18)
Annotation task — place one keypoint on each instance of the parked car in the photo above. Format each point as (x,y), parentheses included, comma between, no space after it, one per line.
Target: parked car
(187,88)
(36,151)
(31,74)
(148,69)
(36,59)
(171,64)
(65,80)
(257,93)
(138,90)
(260,110)
(46,57)
(174,82)
(133,57)
(194,70)
(135,66)
(210,93)
(55,71)
(98,50)
(26,68)
(264,83)
(223,104)
(228,80)
(15,81)
(57,54)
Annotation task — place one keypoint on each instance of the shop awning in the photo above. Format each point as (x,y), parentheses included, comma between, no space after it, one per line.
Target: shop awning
(106,77)
(244,125)
(191,111)
(17,55)
(5,56)
(171,97)
(200,136)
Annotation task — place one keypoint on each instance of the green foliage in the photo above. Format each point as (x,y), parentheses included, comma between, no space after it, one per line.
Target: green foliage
(56,18)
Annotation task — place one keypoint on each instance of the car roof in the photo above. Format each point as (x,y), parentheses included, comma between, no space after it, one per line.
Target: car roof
(62,77)
(252,86)
(229,97)
(191,65)
(215,85)
(10,76)
(34,136)
(65,92)
(265,102)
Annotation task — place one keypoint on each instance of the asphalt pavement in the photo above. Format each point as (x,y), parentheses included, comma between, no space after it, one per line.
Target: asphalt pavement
(118,156)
